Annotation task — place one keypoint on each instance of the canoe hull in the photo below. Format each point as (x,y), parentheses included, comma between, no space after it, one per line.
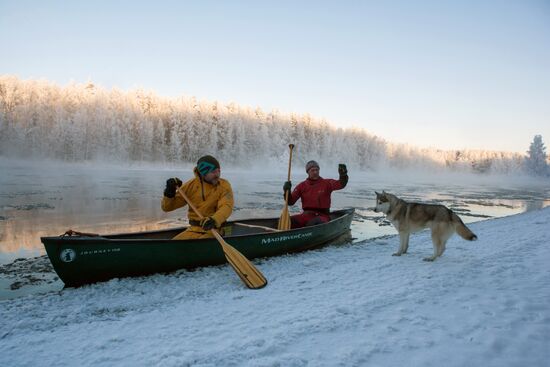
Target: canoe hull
(83,260)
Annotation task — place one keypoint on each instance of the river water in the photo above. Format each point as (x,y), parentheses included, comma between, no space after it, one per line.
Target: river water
(46,199)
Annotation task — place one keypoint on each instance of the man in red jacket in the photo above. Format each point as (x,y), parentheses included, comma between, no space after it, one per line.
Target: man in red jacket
(315,194)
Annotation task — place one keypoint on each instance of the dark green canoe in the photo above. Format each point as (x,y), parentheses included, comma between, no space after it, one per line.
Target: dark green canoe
(81,260)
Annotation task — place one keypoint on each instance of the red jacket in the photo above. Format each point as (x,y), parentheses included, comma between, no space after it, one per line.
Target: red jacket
(315,194)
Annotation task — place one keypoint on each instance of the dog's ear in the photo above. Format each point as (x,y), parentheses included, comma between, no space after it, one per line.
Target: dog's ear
(377,193)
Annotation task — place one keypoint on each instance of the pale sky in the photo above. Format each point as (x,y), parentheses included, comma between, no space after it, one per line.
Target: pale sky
(447,74)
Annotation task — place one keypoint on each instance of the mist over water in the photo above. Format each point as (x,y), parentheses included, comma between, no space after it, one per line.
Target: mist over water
(46,199)
(39,198)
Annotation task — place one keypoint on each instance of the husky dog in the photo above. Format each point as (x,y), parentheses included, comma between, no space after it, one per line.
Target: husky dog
(413,217)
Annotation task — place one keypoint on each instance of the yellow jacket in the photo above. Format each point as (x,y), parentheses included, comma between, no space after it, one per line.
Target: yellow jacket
(214,201)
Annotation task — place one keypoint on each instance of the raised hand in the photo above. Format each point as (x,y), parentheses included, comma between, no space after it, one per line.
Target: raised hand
(342,169)
(171,184)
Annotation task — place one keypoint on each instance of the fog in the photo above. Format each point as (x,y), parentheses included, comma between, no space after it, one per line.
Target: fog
(45,198)
(86,123)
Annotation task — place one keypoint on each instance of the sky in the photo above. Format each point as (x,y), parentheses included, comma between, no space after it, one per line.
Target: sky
(445,74)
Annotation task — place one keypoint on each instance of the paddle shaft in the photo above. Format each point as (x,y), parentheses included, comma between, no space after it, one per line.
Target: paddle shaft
(284,221)
(248,273)
(191,205)
(291,146)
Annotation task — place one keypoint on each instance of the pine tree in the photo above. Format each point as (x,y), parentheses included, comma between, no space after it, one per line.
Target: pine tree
(536,159)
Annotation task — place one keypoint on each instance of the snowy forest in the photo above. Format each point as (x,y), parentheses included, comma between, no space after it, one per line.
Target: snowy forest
(84,122)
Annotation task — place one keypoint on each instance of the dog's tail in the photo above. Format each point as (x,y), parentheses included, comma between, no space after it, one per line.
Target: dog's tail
(461,228)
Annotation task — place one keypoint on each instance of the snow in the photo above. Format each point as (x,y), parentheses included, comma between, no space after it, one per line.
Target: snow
(484,303)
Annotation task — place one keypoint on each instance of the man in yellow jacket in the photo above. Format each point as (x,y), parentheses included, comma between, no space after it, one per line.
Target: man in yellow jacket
(210,194)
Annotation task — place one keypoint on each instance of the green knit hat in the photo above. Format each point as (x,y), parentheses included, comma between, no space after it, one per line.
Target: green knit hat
(207,164)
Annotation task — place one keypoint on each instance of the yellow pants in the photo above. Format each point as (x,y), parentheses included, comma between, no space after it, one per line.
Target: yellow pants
(193,232)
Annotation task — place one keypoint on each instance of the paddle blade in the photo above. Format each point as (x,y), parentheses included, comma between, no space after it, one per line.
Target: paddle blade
(251,276)
(248,273)
(284,220)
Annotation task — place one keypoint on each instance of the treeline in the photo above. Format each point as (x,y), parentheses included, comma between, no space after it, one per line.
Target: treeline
(83,122)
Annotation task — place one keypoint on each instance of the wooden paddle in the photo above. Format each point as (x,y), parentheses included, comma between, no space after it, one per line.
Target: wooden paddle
(284,220)
(250,276)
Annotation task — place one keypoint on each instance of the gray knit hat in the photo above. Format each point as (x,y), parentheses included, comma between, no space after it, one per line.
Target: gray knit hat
(311,164)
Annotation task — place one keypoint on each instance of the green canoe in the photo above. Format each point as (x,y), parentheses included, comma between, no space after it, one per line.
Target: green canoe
(81,260)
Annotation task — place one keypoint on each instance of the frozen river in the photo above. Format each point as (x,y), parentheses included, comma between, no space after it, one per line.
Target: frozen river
(38,199)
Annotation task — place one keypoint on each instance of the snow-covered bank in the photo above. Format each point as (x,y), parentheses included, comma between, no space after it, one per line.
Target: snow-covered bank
(482,304)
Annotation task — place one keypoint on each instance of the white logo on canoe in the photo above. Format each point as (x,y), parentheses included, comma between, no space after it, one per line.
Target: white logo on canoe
(267,241)
(67,255)
(104,251)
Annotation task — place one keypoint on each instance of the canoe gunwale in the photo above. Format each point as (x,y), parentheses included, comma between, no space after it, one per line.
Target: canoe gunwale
(118,237)
(85,260)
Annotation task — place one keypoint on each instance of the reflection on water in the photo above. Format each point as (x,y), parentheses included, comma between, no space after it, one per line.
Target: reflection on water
(40,201)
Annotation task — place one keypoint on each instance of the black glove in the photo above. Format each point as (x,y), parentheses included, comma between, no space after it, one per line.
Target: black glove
(343,172)
(171,184)
(208,223)
(287,186)
(342,169)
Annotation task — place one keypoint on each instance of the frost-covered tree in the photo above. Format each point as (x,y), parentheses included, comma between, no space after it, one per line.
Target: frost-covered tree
(536,158)
(81,122)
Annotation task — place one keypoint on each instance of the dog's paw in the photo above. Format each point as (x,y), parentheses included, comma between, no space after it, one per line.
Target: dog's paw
(396,254)
(429,259)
